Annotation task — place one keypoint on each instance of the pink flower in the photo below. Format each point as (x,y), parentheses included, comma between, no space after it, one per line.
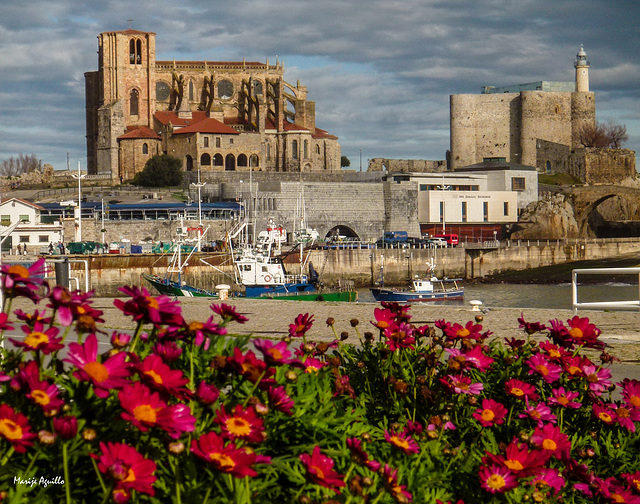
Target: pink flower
(539,412)
(461,384)
(552,441)
(228,313)
(128,469)
(399,335)
(312,365)
(15,428)
(548,478)
(355,447)
(144,307)
(279,400)
(207,394)
(66,427)
(403,441)
(226,457)
(520,390)
(274,354)
(39,339)
(320,470)
(491,413)
(301,325)
(564,398)
(547,370)
(604,413)
(112,374)
(598,379)
(399,493)
(496,478)
(631,392)
(17,280)
(474,358)
(469,331)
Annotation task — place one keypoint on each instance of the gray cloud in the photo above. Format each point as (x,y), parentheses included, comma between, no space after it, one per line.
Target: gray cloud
(381,72)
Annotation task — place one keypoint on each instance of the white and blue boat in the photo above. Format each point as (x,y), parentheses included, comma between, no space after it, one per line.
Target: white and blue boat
(422,290)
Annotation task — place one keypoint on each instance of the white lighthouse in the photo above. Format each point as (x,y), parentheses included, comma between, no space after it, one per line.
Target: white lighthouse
(582,71)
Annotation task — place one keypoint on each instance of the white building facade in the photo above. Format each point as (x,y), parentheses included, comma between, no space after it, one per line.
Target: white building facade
(31,233)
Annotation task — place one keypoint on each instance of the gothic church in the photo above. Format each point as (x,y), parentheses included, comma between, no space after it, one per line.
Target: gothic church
(224,116)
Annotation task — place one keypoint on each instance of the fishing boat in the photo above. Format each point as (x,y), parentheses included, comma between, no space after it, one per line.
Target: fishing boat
(172,283)
(422,290)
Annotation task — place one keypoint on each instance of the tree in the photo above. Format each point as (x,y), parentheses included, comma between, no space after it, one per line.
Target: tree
(600,135)
(344,162)
(161,170)
(22,164)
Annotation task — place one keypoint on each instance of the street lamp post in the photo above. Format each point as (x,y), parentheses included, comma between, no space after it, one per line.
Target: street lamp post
(199,185)
(79,176)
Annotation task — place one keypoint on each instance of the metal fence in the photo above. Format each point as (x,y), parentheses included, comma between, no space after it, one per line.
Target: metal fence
(632,304)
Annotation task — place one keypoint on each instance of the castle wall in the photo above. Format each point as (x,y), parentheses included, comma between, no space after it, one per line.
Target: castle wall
(132,157)
(407,165)
(609,166)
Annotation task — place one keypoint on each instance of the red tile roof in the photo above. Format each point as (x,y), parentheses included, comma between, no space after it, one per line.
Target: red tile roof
(208,125)
(320,133)
(142,132)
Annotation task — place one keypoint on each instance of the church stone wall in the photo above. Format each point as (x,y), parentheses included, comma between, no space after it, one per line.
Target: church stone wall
(407,165)
(609,166)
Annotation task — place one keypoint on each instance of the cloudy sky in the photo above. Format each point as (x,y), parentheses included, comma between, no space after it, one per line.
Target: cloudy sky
(380,72)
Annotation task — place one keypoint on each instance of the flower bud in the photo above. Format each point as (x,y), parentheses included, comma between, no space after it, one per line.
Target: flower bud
(176,447)
(89,434)
(46,437)
(354,322)
(66,427)
(330,321)
(291,375)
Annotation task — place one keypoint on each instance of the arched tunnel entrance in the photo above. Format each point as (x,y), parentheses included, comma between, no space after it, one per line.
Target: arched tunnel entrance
(341,233)
(610,216)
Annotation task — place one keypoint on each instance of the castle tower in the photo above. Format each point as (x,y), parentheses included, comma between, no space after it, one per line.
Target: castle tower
(582,71)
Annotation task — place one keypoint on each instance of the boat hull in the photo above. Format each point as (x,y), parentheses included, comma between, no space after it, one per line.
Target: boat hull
(171,288)
(253,291)
(340,296)
(416,297)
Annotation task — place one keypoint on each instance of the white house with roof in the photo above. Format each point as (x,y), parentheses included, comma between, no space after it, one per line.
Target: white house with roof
(31,232)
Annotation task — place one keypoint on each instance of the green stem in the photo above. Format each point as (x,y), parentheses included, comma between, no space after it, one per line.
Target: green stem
(95,466)
(65,462)
(178,498)
(255,386)
(7,455)
(136,337)
(206,496)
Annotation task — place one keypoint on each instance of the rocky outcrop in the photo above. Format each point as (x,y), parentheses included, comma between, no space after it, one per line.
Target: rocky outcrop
(551,218)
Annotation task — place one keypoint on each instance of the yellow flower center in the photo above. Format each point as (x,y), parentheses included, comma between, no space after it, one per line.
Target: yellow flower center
(514,465)
(542,369)
(605,417)
(317,471)
(463,333)
(573,370)
(311,369)
(576,333)
(41,397)
(635,401)
(19,270)
(623,413)
(462,385)
(549,444)
(155,376)
(225,462)
(496,482)
(238,426)
(517,391)
(399,442)
(195,326)
(554,353)
(36,338)
(563,400)
(488,415)
(81,310)
(275,353)
(145,413)
(617,497)
(9,429)
(152,302)
(131,476)
(96,371)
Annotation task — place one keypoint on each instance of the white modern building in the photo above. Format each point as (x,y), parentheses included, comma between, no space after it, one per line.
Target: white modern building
(31,233)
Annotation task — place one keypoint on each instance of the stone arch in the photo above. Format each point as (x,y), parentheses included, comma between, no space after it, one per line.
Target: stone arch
(205,159)
(189,162)
(242,160)
(218,160)
(230,163)
(341,230)
(586,217)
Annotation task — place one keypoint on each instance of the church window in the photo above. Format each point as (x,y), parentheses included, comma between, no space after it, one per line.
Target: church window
(217,142)
(132,52)
(145,148)
(218,160)
(206,141)
(548,166)
(242,160)
(133,102)
(257,88)
(294,149)
(306,149)
(318,150)
(254,160)
(189,163)
(268,152)
(205,160)
(163,91)
(191,92)
(225,90)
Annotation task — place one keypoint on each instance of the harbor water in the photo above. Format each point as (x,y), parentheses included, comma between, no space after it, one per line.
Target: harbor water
(543,296)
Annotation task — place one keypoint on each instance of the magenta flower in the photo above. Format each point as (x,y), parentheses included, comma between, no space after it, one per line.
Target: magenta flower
(564,398)
(301,325)
(19,281)
(228,313)
(197,331)
(605,413)
(159,376)
(362,457)
(399,492)
(384,318)
(474,358)
(402,441)
(226,457)
(540,412)
(112,374)
(627,416)
(274,354)
(206,393)
(312,365)
(491,413)
(279,400)
(252,368)
(167,350)
(126,467)
(41,392)
(320,470)
(530,327)
(520,389)
(631,392)
(461,384)
(66,427)
(496,478)
(552,440)
(39,339)
(15,428)
(468,331)
(241,424)
(598,379)
(148,309)
(548,478)
(549,371)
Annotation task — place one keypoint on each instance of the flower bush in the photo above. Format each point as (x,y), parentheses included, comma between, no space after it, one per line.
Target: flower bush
(184,411)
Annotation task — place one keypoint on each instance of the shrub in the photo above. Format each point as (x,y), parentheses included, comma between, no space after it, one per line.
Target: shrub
(179,411)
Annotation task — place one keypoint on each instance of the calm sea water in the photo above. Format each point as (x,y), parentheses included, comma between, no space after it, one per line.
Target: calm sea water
(536,295)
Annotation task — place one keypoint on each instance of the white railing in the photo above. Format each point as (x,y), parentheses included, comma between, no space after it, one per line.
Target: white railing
(633,304)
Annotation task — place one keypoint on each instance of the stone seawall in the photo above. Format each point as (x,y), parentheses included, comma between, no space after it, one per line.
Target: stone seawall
(109,272)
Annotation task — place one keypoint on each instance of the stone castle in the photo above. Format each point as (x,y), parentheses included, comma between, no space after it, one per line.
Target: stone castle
(214,116)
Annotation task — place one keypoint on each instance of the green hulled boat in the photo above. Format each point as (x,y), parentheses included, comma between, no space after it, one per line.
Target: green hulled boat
(172,288)
(342,296)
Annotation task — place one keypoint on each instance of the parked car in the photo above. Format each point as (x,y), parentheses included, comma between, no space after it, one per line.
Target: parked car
(412,241)
(395,238)
(436,242)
